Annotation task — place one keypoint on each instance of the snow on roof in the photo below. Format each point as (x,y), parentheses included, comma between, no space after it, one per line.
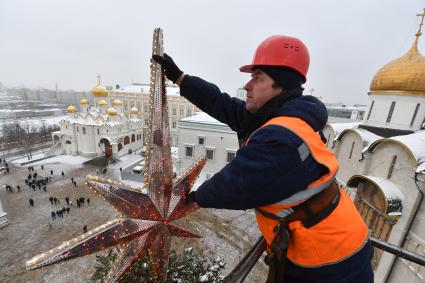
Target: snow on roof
(367,137)
(340,127)
(351,108)
(416,143)
(145,88)
(202,118)
(134,120)
(421,167)
(113,123)
(390,190)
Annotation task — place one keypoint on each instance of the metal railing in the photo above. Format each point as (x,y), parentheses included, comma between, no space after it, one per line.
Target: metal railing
(241,271)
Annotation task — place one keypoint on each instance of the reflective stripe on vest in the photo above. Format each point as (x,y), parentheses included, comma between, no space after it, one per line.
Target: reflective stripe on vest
(336,237)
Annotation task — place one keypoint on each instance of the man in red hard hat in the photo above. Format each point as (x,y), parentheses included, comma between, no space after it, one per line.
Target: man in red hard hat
(283,169)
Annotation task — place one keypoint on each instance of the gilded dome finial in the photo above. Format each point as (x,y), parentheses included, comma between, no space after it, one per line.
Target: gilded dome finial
(419,33)
(98,79)
(414,48)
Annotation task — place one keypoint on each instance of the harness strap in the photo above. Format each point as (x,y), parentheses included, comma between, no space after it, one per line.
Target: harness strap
(313,210)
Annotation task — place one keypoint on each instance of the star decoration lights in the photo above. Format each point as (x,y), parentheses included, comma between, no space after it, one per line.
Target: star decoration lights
(148,219)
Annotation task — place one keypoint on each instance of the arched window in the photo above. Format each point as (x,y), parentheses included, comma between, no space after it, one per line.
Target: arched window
(351,150)
(370,110)
(414,114)
(390,113)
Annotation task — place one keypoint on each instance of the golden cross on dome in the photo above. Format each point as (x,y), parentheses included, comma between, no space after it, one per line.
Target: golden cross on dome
(98,79)
(419,33)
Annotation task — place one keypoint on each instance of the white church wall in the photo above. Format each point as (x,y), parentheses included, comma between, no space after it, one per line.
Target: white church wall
(405,271)
(69,145)
(89,141)
(403,177)
(348,152)
(329,134)
(403,112)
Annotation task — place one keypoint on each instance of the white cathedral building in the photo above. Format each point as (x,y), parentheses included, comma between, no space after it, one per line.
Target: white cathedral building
(382,162)
(102,129)
(116,122)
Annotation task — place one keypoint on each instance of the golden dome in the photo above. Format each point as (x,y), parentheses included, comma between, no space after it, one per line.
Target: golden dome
(71,109)
(84,101)
(102,103)
(134,110)
(99,91)
(117,102)
(111,112)
(403,75)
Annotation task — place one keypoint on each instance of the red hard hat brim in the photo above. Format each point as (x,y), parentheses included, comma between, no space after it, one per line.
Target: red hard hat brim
(246,68)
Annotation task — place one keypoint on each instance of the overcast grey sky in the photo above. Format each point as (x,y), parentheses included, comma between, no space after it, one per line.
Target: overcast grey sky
(70,41)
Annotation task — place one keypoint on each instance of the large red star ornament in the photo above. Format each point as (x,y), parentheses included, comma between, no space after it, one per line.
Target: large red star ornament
(150,216)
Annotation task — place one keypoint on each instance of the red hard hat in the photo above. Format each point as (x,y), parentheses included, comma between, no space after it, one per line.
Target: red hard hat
(281,50)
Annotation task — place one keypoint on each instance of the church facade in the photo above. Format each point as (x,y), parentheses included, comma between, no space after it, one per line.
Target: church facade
(103,129)
(116,122)
(382,162)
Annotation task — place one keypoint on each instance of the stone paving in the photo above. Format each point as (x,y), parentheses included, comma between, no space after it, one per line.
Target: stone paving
(228,234)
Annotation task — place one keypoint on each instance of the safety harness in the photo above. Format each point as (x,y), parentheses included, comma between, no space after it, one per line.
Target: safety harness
(310,213)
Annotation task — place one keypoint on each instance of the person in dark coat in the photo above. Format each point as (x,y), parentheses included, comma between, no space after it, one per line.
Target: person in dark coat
(51,172)
(268,167)
(31,201)
(53,215)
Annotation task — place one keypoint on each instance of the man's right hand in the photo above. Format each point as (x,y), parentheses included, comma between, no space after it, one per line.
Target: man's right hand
(172,72)
(190,198)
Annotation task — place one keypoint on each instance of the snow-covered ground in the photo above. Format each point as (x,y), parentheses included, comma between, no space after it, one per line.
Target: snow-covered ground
(25,159)
(228,234)
(64,159)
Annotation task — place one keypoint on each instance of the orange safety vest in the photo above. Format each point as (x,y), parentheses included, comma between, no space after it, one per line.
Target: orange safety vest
(335,238)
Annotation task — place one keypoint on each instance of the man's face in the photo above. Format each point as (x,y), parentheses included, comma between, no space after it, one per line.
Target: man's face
(259,90)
